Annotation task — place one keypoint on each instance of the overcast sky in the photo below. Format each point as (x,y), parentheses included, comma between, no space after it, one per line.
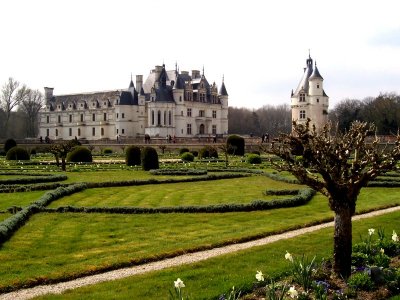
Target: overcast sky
(259,46)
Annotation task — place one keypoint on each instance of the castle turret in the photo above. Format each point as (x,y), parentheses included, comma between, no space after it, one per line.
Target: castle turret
(309,100)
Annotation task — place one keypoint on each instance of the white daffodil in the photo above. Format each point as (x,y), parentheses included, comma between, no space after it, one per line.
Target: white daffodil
(382,251)
(371,231)
(260,276)
(395,237)
(179,283)
(289,256)
(293,293)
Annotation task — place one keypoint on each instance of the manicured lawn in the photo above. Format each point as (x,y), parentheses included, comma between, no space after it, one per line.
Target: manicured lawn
(18,199)
(211,278)
(237,190)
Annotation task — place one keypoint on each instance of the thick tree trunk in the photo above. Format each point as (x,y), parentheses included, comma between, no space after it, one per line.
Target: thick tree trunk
(63,166)
(343,242)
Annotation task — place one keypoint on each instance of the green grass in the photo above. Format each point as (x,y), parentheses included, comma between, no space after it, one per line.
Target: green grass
(211,278)
(238,190)
(18,199)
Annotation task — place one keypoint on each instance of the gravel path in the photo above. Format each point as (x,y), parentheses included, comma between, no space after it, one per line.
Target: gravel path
(176,261)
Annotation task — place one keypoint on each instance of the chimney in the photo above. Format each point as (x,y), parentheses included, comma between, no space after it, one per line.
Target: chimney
(139,82)
(48,93)
(195,74)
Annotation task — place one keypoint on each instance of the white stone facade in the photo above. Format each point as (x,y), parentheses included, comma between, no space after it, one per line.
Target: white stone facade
(309,100)
(168,103)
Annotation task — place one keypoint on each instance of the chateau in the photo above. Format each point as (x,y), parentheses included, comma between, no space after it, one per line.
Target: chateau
(166,104)
(309,100)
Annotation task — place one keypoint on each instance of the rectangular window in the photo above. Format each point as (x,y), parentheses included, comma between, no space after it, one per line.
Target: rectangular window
(302,114)
(47,119)
(117,115)
(81,117)
(189,129)
(302,97)
(70,131)
(79,132)
(123,116)
(214,114)
(202,113)
(93,131)
(56,132)
(123,130)
(102,131)
(47,132)
(59,119)
(70,118)
(105,116)
(189,112)
(93,117)
(214,129)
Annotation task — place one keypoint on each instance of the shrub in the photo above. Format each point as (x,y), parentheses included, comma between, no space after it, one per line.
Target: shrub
(235,145)
(33,151)
(107,151)
(254,159)
(208,152)
(187,156)
(195,153)
(10,143)
(149,159)
(183,150)
(80,154)
(2,152)
(360,281)
(17,153)
(132,156)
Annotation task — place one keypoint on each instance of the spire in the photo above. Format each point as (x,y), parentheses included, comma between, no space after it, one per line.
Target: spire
(222,90)
(315,73)
(131,85)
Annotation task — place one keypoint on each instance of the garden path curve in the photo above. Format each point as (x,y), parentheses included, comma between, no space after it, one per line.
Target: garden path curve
(58,288)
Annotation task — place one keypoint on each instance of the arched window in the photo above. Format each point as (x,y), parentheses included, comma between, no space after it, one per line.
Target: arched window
(169,118)
(152,117)
(201,129)
(159,118)
(165,117)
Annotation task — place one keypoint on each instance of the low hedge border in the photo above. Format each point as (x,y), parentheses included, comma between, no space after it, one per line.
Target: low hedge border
(281,192)
(303,196)
(278,177)
(10,225)
(388,184)
(34,179)
(162,181)
(178,172)
(13,188)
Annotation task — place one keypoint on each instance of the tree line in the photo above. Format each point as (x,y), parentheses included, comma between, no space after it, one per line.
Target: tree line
(19,108)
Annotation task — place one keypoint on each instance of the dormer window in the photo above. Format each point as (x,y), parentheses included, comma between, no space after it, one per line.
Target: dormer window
(302,97)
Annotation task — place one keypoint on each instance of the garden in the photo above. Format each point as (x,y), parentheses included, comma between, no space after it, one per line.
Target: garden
(111,210)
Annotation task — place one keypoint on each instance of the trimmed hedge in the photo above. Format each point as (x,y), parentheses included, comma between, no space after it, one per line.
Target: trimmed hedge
(235,145)
(17,153)
(208,152)
(281,192)
(301,198)
(187,156)
(13,188)
(149,159)
(133,156)
(178,172)
(278,177)
(80,154)
(34,179)
(183,150)
(254,159)
(8,144)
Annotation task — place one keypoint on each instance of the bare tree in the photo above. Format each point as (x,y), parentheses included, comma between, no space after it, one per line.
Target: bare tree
(31,105)
(11,97)
(337,166)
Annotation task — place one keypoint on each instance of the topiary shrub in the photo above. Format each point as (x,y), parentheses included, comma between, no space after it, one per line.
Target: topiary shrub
(187,156)
(149,159)
(254,159)
(132,156)
(183,150)
(107,151)
(80,154)
(235,145)
(17,153)
(208,152)
(10,143)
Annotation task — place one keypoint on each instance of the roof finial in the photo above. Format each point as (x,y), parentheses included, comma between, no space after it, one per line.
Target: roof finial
(309,53)
(131,76)
(176,66)
(203,71)
(223,78)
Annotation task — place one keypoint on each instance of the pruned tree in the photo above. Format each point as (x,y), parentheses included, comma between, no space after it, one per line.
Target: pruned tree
(30,105)
(337,165)
(61,150)
(11,97)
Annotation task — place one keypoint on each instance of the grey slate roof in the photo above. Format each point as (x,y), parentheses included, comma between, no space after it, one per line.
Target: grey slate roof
(222,90)
(316,74)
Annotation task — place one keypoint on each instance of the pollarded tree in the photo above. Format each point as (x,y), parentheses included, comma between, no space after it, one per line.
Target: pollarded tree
(337,165)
